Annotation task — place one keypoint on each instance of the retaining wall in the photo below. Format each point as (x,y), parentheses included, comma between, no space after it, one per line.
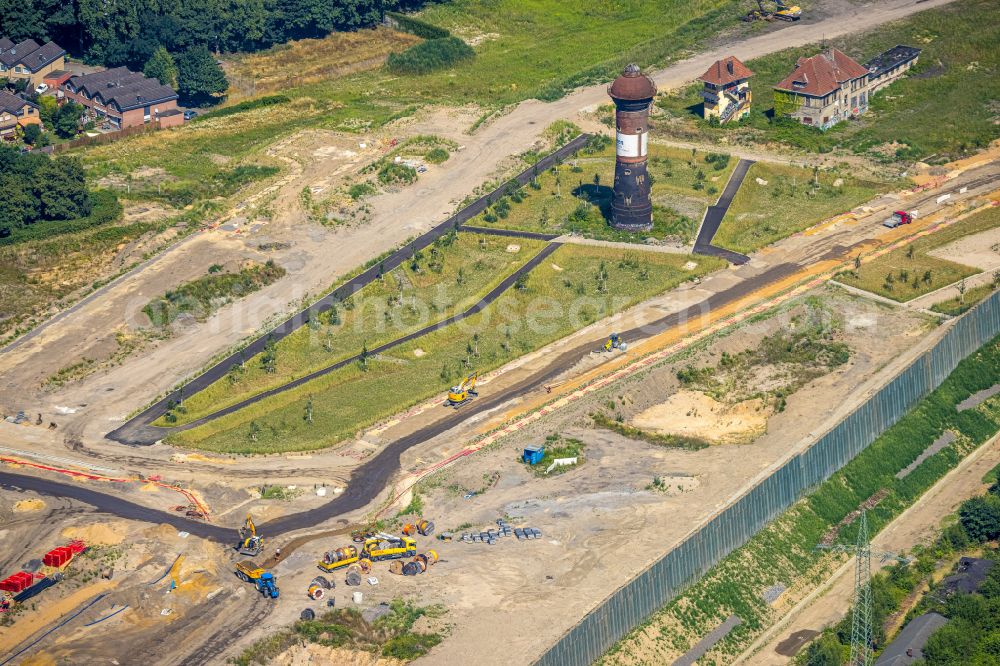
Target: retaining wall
(733,527)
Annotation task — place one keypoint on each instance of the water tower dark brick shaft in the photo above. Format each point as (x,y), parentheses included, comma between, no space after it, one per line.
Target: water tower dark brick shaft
(632,93)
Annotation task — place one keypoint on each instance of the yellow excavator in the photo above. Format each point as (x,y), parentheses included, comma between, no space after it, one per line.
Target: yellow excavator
(781,11)
(463,393)
(250,543)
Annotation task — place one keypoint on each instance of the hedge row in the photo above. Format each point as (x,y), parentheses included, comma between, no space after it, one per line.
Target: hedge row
(434,54)
(104,209)
(415,26)
(248,105)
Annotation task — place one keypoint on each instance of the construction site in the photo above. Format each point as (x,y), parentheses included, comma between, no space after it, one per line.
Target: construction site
(481,406)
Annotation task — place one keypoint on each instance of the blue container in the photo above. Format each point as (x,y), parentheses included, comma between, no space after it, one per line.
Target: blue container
(533,454)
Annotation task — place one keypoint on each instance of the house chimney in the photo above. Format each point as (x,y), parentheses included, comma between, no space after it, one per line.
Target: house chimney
(729,66)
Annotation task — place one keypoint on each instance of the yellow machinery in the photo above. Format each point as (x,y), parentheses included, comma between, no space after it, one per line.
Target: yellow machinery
(335,559)
(615,342)
(388,547)
(787,13)
(250,543)
(461,394)
(781,11)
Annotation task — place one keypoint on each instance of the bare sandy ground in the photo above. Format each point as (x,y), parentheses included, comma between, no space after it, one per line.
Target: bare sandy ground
(694,414)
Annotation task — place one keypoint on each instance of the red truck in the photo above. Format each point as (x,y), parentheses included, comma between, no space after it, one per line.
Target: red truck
(898,218)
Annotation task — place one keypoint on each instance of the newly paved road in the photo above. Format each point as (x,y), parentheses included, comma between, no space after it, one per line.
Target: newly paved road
(713,218)
(133,431)
(368,480)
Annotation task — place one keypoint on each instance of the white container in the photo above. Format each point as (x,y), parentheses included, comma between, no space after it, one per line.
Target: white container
(358,597)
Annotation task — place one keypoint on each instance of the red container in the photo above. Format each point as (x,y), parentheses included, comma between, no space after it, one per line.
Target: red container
(58,557)
(19,581)
(77,546)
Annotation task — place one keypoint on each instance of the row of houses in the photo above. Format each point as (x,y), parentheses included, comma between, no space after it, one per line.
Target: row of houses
(821,91)
(118,96)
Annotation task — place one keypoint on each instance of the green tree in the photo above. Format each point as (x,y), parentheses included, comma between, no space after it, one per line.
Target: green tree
(199,77)
(62,189)
(980,516)
(66,121)
(21,19)
(161,66)
(47,108)
(18,205)
(31,134)
(825,651)
(951,645)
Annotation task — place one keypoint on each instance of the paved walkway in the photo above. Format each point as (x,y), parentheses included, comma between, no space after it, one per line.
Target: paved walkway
(714,214)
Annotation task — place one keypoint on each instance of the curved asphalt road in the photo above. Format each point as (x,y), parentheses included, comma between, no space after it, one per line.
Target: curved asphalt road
(369,479)
(129,432)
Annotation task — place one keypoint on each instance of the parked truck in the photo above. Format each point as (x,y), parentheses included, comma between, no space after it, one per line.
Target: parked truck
(898,218)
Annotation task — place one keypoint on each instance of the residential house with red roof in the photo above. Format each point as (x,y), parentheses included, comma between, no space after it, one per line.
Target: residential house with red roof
(726,90)
(823,90)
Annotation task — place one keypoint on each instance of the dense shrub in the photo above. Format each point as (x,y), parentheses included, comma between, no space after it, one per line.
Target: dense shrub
(104,208)
(434,54)
(248,105)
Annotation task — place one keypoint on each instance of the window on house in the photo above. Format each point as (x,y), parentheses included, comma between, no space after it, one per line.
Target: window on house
(826,119)
(807,120)
(145,110)
(864,99)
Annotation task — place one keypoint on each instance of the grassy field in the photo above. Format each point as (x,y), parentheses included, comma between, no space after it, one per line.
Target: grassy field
(36,274)
(959,304)
(450,277)
(525,48)
(910,271)
(309,61)
(575,197)
(793,199)
(945,108)
(576,286)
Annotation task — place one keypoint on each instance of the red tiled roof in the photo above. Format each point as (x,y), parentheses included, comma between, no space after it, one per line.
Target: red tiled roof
(821,74)
(725,71)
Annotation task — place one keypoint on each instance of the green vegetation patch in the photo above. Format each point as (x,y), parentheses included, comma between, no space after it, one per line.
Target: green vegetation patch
(438,282)
(557,446)
(200,298)
(963,302)
(430,56)
(785,360)
(944,108)
(911,271)
(793,199)
(577,285)
(784,552)
(618,425)
(575,196)
(391,635)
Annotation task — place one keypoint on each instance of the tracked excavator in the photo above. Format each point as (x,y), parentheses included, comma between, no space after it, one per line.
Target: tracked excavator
(782,12)
(464,392)
(250,544)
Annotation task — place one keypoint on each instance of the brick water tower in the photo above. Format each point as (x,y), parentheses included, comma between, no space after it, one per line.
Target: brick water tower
(632,92)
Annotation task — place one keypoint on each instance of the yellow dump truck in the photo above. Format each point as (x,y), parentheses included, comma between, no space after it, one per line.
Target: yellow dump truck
(388,547)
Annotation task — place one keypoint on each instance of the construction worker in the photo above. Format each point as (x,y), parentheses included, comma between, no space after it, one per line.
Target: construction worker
(277,553)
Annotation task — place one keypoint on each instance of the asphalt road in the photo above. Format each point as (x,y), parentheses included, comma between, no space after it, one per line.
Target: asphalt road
(714,214)
(369,479)
(135,424)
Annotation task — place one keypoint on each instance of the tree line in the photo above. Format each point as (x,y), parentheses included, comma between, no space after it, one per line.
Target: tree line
(38,188)
(129,32)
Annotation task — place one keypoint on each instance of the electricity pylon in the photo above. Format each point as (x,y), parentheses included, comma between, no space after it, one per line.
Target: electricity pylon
(861,618)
